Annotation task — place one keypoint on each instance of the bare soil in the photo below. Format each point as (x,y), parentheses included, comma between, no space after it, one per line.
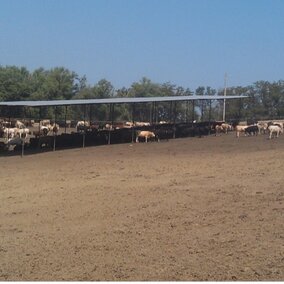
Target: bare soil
(207,208)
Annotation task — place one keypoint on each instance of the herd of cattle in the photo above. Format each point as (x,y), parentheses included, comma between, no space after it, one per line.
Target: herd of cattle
(45,133)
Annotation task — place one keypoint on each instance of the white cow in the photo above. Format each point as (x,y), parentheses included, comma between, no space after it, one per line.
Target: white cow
(82,125)
(19,124)
(23,132)
(274,129)
(224,127)
(239,129)
(262,127)
(138,123)
(9,132)
(128,124)
(53,128)
(44,122)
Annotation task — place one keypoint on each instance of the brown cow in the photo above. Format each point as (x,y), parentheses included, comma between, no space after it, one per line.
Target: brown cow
(144,134)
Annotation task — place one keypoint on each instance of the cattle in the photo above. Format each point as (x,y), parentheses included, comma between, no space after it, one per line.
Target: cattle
(108,126)
(23,132)
(218,129)
(1,131)
(13,132)
(274,129)
(9,132)
(43,131)
(224,127)
(45,122)
(128,124)
(262,127)
(280,124)
(14,141)
(164,133)
(239,129)
(137,123)
(252,130)
(6,123)
(145,135)
(93,128)
(54,128)
(19,124)
(82,126)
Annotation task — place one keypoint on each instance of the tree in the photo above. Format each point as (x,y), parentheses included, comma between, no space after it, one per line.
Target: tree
(14,83)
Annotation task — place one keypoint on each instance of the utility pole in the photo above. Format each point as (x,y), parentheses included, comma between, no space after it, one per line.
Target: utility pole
(225,93)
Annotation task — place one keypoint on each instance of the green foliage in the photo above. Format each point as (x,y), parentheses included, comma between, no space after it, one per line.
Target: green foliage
(14,83)
(266,99)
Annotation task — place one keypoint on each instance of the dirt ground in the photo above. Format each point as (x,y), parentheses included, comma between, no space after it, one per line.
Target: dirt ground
(207,208)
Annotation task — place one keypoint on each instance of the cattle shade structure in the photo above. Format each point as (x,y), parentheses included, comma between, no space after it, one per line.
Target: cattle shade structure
(116,100)
(112,102)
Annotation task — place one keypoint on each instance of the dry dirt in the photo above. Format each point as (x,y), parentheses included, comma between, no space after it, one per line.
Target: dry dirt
(207,208)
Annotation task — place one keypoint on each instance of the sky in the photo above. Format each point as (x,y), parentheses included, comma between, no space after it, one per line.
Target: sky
(189,43)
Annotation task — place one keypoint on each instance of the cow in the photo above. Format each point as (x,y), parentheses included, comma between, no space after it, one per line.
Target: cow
(54,128)
(137,123)
(23,132)
(144,134)
(262,127)
(45,122)
(280,124)
(274,129)
(108,126)
(218,129)
(82,126)
(251,130)
(239,129)
(128,124)
(19,124)
(9,132)
(15,141)
(224,127)
(43,131)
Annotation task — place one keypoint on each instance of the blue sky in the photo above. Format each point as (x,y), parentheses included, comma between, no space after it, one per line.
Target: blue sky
(189,43)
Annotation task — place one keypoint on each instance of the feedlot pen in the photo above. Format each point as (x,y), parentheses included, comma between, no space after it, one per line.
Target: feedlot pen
(189,209)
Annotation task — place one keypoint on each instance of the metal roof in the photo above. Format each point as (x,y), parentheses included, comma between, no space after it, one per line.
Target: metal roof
(115,100)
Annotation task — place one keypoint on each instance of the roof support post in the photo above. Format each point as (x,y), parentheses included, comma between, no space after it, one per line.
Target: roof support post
(65,117)
(90,114)
(240,109)
(152,113)
(54,133)
(174,126)
(202,110)
(210,109)
(155,113)
(171,111)
(9,110)
(40,114)
(84,132)
(193,112)
(23,138)
(187,111)
(132,132)
(111,109)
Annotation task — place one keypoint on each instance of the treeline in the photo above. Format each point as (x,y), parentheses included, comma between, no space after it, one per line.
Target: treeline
(266,99)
